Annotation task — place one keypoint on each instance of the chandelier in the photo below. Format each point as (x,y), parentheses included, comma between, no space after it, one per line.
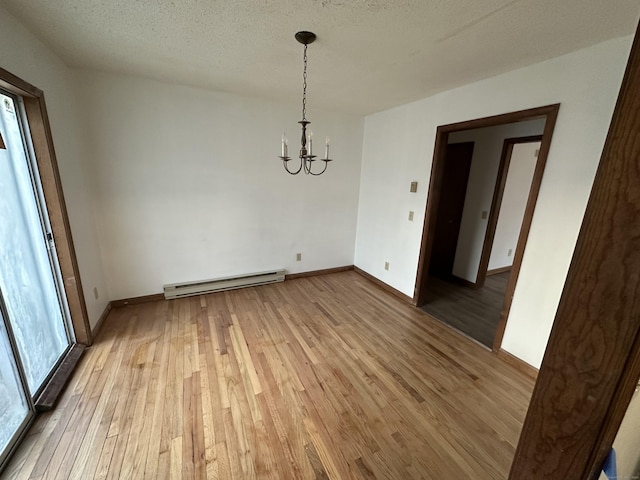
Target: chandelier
(306,154)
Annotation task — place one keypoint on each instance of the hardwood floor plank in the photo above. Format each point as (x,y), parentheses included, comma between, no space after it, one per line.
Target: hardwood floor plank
(314,459)
(188,431)
(104,461)
(175,471)
(323,452)
(156,400)
(323,377)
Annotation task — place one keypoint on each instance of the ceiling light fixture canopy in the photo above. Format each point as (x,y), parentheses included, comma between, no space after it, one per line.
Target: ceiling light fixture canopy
(306,155)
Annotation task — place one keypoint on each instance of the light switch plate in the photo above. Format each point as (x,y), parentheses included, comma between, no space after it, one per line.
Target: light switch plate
(414,187)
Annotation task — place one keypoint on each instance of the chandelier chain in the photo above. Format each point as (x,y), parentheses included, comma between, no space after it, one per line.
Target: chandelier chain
(304,86)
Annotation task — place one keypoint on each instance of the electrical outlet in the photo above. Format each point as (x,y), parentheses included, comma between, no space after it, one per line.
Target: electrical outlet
(386,265)
(298,257)
(411,216)
(95,292)
(509,252)
(485,214)
(414,187)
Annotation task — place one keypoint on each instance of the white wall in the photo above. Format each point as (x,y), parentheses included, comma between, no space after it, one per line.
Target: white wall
(485,163)
(25,56)
(190,186)
(398,148)
(514,202)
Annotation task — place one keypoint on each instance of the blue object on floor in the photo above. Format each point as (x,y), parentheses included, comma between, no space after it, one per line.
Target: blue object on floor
(609,466)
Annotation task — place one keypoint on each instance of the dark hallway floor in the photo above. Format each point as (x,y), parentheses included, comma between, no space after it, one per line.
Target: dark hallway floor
(475,312)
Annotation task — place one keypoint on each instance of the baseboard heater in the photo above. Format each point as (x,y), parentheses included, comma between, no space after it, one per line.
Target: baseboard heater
(178,290)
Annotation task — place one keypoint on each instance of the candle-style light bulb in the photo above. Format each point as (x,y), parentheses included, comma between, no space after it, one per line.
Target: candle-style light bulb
(326,148)
(284,141)
(310,141)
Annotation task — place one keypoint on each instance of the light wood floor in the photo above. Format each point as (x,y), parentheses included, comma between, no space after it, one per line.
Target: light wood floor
(475,312)
(320,377)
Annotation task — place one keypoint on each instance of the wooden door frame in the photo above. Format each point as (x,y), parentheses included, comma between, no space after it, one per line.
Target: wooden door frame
(592,361)
(550,112)
(523,236)
(42,140)
(496,202)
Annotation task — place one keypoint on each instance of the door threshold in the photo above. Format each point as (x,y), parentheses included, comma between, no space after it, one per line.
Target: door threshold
(47,399)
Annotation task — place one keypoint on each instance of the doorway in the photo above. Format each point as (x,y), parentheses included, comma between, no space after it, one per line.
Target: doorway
(515,177)
(472,296)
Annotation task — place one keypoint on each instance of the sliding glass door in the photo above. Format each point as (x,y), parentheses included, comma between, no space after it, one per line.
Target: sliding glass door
(27,278)
(34,332)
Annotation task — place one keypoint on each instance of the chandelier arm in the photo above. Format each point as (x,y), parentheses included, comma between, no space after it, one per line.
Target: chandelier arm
(307,166)
(326,162)
(284,164)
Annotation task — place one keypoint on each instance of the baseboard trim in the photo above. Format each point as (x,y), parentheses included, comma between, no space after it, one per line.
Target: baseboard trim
(313,273)
(385,286)
(136,300)
(105,313)
(495,271)
(520,365)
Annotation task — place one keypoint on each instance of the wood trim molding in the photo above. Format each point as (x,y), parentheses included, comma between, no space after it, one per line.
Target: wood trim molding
(385,286)
(592,360)
(313,273)
(42,139)
(494,210)
(496,271)
(502,119)
(154,297)
(431,210)
(16,85)
(520,365)
(61,229)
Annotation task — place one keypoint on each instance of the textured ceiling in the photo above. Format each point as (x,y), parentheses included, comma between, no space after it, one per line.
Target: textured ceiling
(370,54)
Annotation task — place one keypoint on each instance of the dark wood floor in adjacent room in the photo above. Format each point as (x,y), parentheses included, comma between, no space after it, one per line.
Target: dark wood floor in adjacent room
(475,312)
(319,377)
